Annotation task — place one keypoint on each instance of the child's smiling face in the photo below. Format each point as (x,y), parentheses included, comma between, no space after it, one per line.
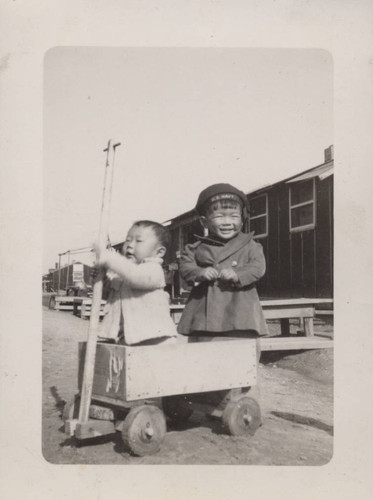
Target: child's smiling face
(141,243)
(225,223)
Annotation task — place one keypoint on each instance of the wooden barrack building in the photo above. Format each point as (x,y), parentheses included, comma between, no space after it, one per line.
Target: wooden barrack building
(293,221)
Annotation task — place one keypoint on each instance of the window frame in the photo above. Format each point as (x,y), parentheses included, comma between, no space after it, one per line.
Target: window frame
(305,227)
(265,234)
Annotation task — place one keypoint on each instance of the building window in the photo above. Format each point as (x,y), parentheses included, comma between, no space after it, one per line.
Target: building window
(258,217)
(302,206)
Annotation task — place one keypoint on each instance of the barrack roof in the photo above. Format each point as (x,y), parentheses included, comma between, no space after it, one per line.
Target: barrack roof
(321,171)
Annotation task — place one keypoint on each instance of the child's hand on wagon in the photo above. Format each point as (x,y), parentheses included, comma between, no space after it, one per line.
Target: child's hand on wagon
(228,275)
(208,274)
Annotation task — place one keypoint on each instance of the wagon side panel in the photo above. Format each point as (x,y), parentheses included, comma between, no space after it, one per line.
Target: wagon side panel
(189,368)
(109,375)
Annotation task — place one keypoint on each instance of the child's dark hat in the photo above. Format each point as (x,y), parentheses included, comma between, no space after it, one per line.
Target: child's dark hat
(216,190)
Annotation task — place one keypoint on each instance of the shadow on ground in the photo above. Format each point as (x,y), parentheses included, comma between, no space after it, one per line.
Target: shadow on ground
(299,419)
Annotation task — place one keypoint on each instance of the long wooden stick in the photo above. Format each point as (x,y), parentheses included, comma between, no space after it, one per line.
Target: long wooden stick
(90,355)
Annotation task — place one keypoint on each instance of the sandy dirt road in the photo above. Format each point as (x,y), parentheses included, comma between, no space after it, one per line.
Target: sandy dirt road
(296,403)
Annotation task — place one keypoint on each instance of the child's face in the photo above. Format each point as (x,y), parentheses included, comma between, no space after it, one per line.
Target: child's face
(141,243)
(223,222)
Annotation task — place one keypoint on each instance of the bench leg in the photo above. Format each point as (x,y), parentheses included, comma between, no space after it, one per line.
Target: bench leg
(285,327)
(308,327)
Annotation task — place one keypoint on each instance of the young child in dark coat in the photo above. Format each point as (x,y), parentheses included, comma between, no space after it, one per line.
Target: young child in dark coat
(223,268)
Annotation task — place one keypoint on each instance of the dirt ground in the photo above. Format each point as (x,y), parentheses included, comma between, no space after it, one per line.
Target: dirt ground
(296,403)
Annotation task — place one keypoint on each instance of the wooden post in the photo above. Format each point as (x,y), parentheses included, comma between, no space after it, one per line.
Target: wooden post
(90,355)
(308,327)
(59,273)
(68,270)
(285,327)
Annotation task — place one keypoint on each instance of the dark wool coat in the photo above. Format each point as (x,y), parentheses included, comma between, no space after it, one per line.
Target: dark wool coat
(218,306)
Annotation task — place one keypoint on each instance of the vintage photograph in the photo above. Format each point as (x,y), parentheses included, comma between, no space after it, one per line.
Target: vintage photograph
(188,256)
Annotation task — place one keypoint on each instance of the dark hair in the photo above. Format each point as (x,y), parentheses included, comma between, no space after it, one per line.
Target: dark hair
(159,230)
(216,205)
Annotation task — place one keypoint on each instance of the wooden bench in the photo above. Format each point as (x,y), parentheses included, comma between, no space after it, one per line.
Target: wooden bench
(82,307)
(302,309)
(61,303)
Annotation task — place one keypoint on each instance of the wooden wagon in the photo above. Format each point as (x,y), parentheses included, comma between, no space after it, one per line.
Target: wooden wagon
(133,389)
(136,388)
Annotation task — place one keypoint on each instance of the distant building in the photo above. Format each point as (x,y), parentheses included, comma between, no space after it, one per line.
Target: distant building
(293,220)
(67,276)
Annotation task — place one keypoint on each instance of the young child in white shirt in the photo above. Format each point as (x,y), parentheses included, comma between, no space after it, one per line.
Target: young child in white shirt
(137,306)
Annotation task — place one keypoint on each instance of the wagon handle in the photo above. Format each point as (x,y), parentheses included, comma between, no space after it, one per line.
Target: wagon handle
(90,354)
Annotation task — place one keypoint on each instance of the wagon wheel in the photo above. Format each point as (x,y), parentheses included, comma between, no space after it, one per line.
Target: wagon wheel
(144,429)
(177,408)
(242,417)
(71,408)
(52,302)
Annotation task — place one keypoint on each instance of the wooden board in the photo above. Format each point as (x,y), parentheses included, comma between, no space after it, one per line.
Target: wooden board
(85,312)
(280,310)
(63,307)
(190,368)
(66,300)
(294,302)
(278,302)
(277,312)
(63,303)
(294,343)
(109,374)
(82,307)
(134,373)
(324,312)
